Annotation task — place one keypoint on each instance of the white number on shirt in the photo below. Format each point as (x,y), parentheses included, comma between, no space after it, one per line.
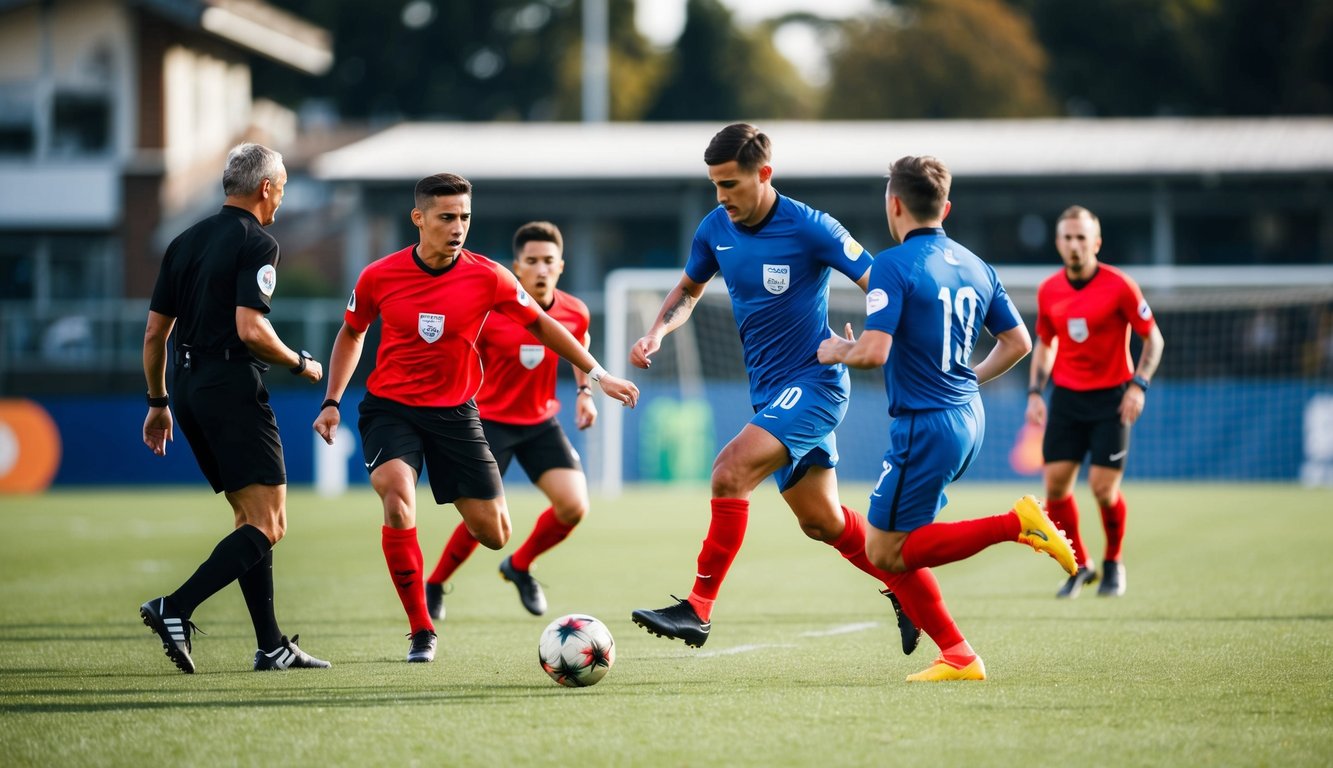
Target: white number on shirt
(963,309)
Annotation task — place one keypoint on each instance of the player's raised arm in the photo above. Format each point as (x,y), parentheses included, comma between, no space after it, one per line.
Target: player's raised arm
(550,332)
(676,309)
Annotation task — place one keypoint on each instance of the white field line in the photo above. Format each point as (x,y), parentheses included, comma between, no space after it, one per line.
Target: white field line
(844,629)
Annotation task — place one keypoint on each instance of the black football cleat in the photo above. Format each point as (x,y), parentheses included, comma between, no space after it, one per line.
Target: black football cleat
(1113,579)
(435,600)
(910,633)
(678,622)
(423,646)
(288,655)
(529,591)
(1075,584)
(173,630)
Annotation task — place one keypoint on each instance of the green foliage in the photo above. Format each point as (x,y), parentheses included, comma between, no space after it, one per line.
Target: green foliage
(939,59)
(720,72)
(1216,656)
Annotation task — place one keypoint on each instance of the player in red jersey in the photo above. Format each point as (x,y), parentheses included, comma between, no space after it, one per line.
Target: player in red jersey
(518,405)
(1085,314)
(431,299)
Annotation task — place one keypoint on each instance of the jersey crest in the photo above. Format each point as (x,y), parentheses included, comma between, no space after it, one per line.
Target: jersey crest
(777,278)
(1078,329)
(876,300)
(267,278)
(531,355)
(430,327)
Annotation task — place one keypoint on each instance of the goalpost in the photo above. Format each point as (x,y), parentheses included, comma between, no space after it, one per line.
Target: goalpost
(1244,392)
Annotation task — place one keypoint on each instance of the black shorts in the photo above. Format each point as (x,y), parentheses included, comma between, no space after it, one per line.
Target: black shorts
(538,447)
(1086,423)
(222,407)
(458,459)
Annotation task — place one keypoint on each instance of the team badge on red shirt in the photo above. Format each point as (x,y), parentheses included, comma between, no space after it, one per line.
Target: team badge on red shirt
(531,355)
(1078,329)
(430,327)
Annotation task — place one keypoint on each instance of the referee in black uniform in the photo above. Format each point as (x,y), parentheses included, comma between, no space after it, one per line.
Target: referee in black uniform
(216,282)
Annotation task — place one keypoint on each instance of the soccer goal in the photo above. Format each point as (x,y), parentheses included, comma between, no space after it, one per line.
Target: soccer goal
(1244,392)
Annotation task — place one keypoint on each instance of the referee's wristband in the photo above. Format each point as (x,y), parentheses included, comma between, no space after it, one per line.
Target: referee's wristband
(1034,390)
(158,402)
(597,373)
(1140,382)
(327,403)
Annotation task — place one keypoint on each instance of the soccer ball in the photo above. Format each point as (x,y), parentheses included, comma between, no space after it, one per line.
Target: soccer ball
(576,650)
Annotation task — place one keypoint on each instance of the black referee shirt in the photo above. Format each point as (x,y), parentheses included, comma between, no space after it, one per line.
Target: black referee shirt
(226,261)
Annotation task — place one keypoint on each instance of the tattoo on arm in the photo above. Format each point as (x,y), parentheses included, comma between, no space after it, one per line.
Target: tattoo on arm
(681,309)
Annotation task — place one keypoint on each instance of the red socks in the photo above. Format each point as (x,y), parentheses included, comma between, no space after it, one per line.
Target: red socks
(1113,520)
(726,531)
(547,532)
(940,543)
(852,545)
(919,593)
(456,552)
(1064,513)
(402,554)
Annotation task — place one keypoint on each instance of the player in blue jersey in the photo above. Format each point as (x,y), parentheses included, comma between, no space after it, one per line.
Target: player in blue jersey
(927,300)
(775,255)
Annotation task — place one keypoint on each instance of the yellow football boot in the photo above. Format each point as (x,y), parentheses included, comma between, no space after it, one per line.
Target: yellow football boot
(941,671)
(1037,531)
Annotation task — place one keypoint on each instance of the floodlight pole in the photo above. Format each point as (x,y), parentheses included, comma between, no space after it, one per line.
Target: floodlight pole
(595,61)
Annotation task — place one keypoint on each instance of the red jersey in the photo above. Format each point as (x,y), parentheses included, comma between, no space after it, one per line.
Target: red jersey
(430,320)
(1092,325)
(520,371)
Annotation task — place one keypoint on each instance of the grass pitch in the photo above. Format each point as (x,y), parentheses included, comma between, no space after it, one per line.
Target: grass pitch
(1218,654)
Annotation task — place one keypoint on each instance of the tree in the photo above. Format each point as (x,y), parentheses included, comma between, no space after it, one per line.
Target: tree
(719,72)
(1126,57)
(938,59)
(463,60)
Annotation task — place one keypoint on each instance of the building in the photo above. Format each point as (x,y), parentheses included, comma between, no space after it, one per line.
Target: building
(115,120)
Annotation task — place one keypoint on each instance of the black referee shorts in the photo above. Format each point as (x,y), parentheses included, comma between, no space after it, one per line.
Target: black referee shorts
(449,440)
(538,447)
(222,407)
(1086,423)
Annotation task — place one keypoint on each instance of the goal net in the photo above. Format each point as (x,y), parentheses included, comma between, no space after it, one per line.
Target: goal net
(1244,391)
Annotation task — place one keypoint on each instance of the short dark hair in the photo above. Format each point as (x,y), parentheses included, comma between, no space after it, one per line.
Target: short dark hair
(540,232)
(440,185)
(742,142)
(922,183)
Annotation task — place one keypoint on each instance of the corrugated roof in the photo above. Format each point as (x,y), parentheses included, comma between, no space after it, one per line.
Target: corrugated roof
(975,148)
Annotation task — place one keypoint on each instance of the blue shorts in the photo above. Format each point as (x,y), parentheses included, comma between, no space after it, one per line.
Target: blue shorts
(927,451)
(803,416)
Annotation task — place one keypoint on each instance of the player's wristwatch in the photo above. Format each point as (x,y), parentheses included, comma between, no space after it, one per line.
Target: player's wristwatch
(158,402)
(584,389)
(299,368)
(1139,382)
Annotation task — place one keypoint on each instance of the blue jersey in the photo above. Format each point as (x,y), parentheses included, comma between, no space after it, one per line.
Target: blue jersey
(933,295)
(777,274)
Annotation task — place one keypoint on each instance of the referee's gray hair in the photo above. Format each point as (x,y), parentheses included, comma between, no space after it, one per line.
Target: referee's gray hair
(248,165)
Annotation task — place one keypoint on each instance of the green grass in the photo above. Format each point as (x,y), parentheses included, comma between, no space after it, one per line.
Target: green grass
(1218,654)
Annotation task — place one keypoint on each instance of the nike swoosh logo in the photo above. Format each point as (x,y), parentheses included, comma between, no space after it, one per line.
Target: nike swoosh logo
(769,416)
(1038,534)
(725,247)
(371,463)
(873,493)
(701,576)
(1118,456)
